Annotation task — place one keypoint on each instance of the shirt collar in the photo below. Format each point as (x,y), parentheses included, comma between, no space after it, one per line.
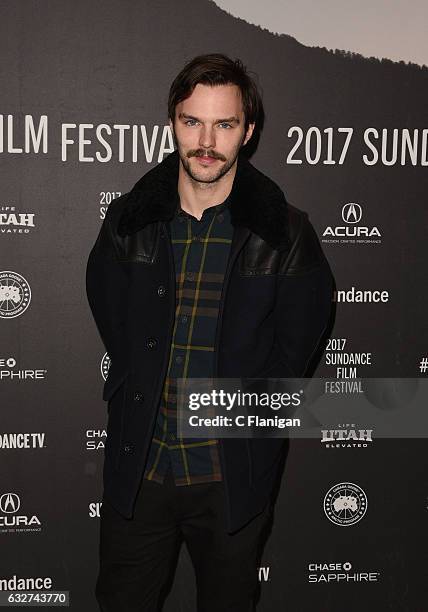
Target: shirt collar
(211,210)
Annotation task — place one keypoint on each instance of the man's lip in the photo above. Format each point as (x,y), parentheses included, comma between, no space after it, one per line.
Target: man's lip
(206,159)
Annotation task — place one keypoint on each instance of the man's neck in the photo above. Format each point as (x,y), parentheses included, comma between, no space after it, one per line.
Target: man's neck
(195,196)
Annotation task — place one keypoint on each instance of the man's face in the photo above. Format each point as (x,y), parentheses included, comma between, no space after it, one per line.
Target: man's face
(209,130)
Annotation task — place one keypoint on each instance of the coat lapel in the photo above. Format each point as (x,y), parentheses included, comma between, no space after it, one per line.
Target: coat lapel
(257,202)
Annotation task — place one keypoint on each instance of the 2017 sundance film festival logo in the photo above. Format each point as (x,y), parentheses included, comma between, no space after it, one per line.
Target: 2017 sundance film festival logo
(12,519)
(15,294)
(352,232)
(346,363)
(345,504)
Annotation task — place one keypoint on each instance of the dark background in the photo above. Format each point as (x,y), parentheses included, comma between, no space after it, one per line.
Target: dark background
(112,63)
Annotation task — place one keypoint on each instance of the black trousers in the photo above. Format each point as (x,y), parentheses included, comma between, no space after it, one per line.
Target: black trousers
(138,556)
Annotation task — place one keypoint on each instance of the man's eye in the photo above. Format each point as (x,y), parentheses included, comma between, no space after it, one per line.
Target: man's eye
(190,122)
(226,124)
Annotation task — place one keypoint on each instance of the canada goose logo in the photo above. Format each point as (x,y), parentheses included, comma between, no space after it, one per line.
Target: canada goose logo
(15,294)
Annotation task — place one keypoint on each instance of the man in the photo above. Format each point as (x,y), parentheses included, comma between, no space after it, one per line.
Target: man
(202,270)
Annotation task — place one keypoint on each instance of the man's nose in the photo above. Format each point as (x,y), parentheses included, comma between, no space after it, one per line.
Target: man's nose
(207,137)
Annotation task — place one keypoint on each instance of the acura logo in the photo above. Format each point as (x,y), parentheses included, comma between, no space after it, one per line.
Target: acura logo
(352,212)
(9,503)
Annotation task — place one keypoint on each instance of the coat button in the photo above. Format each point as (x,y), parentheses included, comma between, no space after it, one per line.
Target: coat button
(151,343)
(161,290)
(138,396)
(128,448)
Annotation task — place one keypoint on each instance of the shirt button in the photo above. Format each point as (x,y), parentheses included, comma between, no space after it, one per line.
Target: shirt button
(138,396)
(220,217)
(151,343)
(172,437)
(179,359)
(184,319)
(190,275)
(128,448)
(161,291)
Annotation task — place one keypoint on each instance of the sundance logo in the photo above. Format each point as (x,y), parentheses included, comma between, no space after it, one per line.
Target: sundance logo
(361,296)
(11,521)
(25,584)
(94,509)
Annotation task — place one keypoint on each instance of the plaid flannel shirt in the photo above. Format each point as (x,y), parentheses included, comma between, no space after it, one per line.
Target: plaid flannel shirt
(201,249)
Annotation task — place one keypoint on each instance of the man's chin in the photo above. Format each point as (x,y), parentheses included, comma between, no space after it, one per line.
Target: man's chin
(205,174)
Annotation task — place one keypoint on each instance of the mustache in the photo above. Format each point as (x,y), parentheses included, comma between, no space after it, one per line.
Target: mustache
(205,153)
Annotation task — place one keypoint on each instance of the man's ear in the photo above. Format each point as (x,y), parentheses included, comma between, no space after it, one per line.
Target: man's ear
(249,133)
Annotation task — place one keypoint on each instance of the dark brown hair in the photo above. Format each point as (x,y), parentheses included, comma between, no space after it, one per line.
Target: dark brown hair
(216,69)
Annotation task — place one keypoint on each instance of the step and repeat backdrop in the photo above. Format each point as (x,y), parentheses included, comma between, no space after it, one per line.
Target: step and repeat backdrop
(83,93)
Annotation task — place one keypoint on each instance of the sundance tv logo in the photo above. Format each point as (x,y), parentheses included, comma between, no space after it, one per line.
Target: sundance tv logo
(15,294)
(12,520)
(22,440)
(352,232)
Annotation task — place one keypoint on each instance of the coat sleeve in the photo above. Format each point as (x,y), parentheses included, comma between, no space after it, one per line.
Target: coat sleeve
(106,288)
(304,303)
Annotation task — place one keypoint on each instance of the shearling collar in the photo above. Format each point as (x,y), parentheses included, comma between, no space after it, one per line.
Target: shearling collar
(257,202)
